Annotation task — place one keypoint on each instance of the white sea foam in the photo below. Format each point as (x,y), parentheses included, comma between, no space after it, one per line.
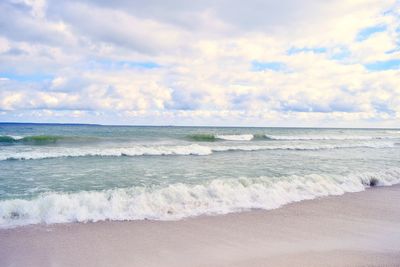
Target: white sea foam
(235,137)
(166,150)
(178,201)
(303,146)
(55,152)
(393,131)
(11,137)
(16,137)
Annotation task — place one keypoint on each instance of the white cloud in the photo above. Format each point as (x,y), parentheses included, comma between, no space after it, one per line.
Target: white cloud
(191,63)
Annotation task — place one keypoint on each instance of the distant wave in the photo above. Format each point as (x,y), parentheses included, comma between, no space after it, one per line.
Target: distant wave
(393,131)
(31,140)
(235,137)
(178,201)
(253,137)
(43,140)
(202,137)
(275,146)
(166,150)
(328,137)
(215,137)
(137,150)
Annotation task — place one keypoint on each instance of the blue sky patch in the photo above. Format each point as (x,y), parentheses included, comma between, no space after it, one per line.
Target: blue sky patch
(367,32)
(110,64)
(273,65)
(392,64)
(341,54)
(32,77)
(393,51)
(144,65)
(315,50)
(383,107)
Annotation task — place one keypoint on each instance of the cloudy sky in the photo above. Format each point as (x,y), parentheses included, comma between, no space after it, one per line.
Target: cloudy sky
(329,63)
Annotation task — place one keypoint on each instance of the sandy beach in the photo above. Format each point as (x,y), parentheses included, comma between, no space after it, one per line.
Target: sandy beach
(356,229)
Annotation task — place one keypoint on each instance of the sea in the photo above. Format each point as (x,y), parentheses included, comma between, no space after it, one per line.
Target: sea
(59,173)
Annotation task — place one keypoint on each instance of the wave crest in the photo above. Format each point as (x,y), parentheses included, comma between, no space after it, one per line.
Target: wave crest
(170,150)
(181,200)
(235,137)
(327,137)
(204,137)
(31,140)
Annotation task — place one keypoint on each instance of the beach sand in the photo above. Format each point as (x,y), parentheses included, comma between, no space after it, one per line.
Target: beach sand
(357,229)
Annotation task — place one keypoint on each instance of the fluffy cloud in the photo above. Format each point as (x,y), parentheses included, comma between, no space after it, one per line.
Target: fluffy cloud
(292,63)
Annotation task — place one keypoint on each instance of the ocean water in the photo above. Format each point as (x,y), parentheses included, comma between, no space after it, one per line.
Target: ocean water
(80,173)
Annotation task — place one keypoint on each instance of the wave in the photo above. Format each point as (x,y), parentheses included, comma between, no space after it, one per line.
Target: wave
(327,137)
(393,131)
(303,146)
(31,140)
(235,137)
(216,137)
(168,150)
(42,140)
(178,201)
(6,139)
(254,137)
(106,152)
(202,137)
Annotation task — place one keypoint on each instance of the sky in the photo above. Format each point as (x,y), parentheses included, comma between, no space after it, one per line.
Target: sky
(308,63)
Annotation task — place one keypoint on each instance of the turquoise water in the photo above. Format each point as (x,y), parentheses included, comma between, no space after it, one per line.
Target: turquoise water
(70,173)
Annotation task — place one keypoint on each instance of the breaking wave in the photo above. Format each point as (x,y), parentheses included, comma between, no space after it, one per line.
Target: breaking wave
(179,200)
(106,152)
(31,140)
(204,137)
(167,150)
(235,137)
(328,137)
(216,137)
(42,140)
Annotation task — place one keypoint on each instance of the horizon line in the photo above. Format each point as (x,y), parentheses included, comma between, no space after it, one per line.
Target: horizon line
(205,126)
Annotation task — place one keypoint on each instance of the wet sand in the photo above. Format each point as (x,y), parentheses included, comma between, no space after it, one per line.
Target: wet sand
(356,229)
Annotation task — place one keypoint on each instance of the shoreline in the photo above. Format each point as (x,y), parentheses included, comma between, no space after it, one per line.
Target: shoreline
(354,229)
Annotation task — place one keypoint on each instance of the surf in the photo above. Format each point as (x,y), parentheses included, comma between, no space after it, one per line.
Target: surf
(179,200)
(173,150)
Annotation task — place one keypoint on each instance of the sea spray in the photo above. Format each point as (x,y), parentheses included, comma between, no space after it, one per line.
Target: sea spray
(235,137)
(176,201)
